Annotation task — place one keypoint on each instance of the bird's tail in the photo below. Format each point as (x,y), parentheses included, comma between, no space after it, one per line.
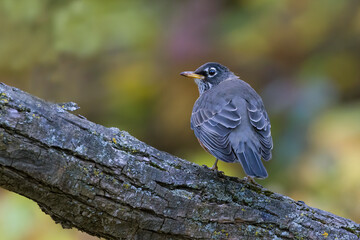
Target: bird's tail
(250,160)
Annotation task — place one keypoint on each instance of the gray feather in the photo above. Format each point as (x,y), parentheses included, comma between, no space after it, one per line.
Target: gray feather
(251,161)
(244,163)
(231,123)
(213,130)
(260,121)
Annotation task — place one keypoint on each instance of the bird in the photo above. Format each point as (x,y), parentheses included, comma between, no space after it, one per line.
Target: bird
(229,119)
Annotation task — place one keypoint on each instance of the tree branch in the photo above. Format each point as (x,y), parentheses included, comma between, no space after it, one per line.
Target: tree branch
(109,184)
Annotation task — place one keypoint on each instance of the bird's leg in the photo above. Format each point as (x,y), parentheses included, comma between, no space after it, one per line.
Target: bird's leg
(215,167)
(251,180)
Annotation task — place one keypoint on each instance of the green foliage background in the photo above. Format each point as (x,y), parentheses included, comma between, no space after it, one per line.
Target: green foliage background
(120,60)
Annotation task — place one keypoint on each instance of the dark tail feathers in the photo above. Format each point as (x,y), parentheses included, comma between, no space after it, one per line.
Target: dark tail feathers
(250,160)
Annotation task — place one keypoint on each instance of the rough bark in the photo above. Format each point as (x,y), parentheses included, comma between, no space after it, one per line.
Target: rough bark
(109,184)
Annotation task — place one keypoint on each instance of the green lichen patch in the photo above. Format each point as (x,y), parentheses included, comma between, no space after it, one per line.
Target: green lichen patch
(222,234)
(352,230)
(4,98)
(156,166)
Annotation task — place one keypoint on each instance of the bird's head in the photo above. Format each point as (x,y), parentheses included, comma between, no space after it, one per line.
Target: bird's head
(209,75)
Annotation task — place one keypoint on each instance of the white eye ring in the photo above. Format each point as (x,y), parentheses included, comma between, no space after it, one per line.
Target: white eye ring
(212,71)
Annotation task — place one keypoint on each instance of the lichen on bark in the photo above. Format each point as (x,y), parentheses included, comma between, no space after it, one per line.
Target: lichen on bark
(109,184)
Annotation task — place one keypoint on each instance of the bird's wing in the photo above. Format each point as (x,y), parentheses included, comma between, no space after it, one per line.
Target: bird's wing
(261,123)
(212,128)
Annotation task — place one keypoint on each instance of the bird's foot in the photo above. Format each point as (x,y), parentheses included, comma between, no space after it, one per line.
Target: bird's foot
(250,180)
(215,169)
(220,173)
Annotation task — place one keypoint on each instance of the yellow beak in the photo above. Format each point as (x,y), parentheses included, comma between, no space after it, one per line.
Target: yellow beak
(191,74)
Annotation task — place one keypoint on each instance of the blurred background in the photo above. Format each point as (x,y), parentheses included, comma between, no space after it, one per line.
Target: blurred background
(120,61)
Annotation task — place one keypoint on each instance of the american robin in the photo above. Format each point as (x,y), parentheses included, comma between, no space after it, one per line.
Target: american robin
(229,119)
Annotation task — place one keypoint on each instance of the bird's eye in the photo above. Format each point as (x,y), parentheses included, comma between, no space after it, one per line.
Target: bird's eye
(212,71)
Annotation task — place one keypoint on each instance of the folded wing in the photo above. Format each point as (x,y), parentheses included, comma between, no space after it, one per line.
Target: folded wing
(212,129)
(261,123)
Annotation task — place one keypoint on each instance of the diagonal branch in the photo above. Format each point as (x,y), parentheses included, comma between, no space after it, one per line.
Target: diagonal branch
(109,184)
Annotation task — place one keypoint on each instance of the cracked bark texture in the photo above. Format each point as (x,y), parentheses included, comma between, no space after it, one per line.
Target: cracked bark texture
(105,182)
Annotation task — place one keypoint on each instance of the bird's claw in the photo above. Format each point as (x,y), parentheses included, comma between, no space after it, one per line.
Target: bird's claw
(219,172)
(215,169)
(250,180)
(205,166)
